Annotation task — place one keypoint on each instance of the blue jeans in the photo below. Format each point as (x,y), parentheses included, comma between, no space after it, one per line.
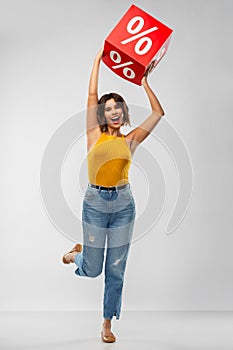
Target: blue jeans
(108,219)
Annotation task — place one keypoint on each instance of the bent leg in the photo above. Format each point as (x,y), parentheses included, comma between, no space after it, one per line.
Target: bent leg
(90,261)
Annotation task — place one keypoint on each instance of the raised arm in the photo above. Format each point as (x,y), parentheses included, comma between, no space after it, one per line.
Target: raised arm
(143,130)
(92,101)
(154,102)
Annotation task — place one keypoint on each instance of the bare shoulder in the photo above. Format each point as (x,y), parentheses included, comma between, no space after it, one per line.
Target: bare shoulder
(129,138)
(131,135)
(135,137)
(92,137)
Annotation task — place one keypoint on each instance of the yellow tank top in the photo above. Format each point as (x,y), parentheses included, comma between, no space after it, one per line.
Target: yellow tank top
(109,161)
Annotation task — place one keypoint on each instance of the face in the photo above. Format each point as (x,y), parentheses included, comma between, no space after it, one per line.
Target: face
(113,113)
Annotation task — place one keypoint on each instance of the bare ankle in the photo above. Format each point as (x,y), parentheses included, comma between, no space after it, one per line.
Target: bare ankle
(107,323)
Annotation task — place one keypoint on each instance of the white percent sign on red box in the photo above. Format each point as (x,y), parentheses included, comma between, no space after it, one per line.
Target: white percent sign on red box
(138,41)
(128,72)
(144,39)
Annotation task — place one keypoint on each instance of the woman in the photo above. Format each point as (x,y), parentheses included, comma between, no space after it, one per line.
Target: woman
(108,208)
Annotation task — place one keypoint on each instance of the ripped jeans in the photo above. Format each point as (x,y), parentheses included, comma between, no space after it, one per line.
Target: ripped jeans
(108,219)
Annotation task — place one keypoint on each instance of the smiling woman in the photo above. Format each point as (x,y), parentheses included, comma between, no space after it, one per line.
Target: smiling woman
(112,108)
(108,214)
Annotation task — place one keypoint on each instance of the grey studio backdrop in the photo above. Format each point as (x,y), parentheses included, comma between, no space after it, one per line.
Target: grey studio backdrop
(47,50)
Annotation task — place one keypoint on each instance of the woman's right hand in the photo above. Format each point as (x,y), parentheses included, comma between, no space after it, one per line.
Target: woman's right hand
(100,53)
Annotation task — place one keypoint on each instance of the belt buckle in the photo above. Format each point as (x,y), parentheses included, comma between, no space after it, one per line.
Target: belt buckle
(111,188)
(103,188)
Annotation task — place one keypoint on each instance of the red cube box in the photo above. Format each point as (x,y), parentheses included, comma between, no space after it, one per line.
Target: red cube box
(136,45)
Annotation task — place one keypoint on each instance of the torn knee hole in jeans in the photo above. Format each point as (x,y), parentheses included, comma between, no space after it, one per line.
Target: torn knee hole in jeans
(116,262)
(91,238)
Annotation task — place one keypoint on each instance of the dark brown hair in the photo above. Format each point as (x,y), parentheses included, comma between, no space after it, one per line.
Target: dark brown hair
(101,108)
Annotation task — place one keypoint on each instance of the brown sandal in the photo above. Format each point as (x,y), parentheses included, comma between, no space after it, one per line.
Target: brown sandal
(77,248)
(108,338)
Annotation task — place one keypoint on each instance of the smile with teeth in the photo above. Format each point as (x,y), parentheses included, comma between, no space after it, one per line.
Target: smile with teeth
(115,119)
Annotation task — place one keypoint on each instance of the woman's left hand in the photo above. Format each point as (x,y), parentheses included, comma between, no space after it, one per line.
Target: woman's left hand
(144,81)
